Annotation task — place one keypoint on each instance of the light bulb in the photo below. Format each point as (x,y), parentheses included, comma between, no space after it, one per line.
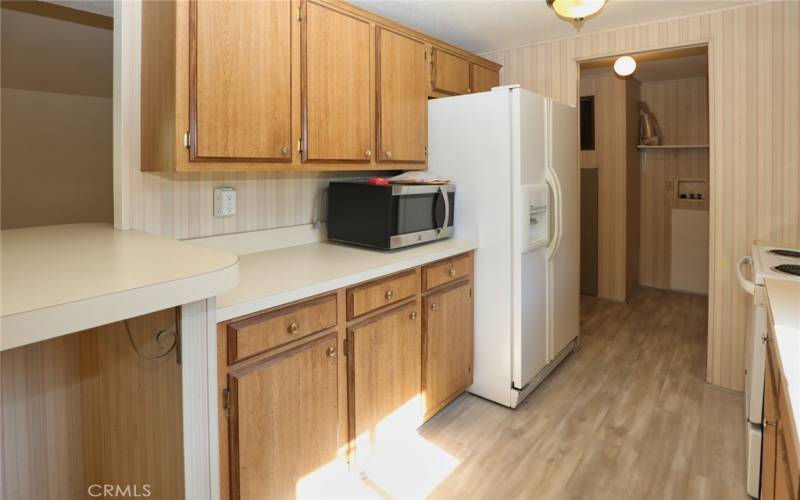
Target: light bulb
(577,9)
(625,66)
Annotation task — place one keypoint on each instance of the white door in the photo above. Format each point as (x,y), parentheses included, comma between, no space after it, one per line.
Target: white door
(563,271)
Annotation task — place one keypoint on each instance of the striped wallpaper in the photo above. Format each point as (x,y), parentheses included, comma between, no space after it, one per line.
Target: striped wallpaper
(754,101)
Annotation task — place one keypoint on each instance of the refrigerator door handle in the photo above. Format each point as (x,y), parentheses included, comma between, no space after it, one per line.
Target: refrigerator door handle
(555,187)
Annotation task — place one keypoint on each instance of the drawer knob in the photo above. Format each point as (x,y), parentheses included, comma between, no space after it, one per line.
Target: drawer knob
(389,155)
(434,307)
(293,327)
(413,315)
(368,153)
(285,150)
(331,352)
(451,272)
(389,295)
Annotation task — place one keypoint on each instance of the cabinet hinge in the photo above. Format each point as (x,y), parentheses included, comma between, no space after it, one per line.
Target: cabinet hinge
(186,138)
(226,401)
(470,292)
(345,346)
(300,145)
(299,13)
(426,151)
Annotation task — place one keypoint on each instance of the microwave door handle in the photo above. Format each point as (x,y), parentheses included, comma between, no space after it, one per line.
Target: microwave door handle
(446,199)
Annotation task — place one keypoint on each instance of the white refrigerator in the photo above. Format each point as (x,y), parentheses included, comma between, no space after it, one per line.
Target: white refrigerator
(513,156)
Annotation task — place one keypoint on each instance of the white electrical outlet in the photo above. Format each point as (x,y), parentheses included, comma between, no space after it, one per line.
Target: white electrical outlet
(224,201)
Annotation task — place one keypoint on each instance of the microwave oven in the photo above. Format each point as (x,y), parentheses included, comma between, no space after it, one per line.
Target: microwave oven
(390,217)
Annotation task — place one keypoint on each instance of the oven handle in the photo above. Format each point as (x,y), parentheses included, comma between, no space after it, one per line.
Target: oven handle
(747,285)
(446,212)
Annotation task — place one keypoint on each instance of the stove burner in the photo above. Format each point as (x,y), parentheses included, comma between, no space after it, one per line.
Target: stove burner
(793,269)
(786,253)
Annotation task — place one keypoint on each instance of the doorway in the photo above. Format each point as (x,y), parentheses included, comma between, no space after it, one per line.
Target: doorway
(645,181)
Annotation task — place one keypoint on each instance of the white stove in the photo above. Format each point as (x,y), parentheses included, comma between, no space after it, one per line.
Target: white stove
(767,262)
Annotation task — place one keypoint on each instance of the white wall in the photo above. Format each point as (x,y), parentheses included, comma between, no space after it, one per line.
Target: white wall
(56,122)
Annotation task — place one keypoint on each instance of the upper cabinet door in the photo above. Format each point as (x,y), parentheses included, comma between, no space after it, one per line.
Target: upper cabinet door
(450,73)
(402,99)
(240,80)
(483,79)
(336,86)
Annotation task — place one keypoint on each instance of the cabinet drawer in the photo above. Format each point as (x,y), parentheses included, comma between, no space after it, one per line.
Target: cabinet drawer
(374,295)
(255,335)
(446,271)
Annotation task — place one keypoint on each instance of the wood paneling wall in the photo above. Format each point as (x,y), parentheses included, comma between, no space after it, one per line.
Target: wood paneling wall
(754,122)
(84,409)
(609,159)
(632,181)
(681,109)
(181,205)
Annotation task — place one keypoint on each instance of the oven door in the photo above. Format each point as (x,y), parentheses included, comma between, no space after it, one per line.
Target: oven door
(421,214)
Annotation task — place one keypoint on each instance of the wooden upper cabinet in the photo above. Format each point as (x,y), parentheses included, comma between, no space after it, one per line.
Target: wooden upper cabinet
(283,420)
(336,75)
(402,98)
(483,79)
(286,86)
(240,81)
(451,73)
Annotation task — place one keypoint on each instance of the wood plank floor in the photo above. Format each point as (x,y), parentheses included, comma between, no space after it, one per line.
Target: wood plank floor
(627,416)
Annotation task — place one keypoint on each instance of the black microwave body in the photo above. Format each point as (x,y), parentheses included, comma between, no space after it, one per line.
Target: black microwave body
(390,217)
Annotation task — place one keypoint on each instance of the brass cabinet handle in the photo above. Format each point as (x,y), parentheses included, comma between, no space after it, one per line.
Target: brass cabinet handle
(389,154)
(452,272)
(368,153)
(434,307)
(293,327)
(389,295)
(413,315)
(285,150)
(331,352)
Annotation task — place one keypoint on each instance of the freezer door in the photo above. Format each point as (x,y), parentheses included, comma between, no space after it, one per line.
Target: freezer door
(563,265)
(468,142)
(530,353)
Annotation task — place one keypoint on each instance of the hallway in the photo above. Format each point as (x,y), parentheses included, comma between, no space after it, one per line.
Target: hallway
(628,416)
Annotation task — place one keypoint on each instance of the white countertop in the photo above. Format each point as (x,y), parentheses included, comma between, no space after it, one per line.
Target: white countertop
(783,298)
(62,279)
(276,277)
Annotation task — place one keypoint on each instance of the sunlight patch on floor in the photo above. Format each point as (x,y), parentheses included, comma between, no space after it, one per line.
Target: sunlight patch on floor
(392,461)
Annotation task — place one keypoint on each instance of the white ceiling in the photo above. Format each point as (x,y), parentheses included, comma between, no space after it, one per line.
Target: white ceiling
(486,25)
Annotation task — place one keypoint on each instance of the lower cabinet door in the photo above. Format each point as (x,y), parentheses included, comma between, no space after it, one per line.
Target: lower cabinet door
(447,346)
(769,446)
(783,480)
(384,377)
(283,420)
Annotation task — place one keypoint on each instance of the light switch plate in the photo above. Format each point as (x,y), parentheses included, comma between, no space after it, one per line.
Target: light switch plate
(224,201)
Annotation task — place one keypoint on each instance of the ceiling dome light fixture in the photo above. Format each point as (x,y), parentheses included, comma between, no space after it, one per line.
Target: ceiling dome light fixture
(577,10)
(625,66)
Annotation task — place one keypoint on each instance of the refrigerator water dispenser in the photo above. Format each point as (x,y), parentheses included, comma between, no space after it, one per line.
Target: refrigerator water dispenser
(534,217)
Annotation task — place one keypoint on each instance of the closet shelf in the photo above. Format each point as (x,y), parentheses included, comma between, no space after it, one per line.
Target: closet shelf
(676,146)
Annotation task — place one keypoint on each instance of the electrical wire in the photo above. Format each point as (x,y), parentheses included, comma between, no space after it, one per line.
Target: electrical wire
(159,336)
